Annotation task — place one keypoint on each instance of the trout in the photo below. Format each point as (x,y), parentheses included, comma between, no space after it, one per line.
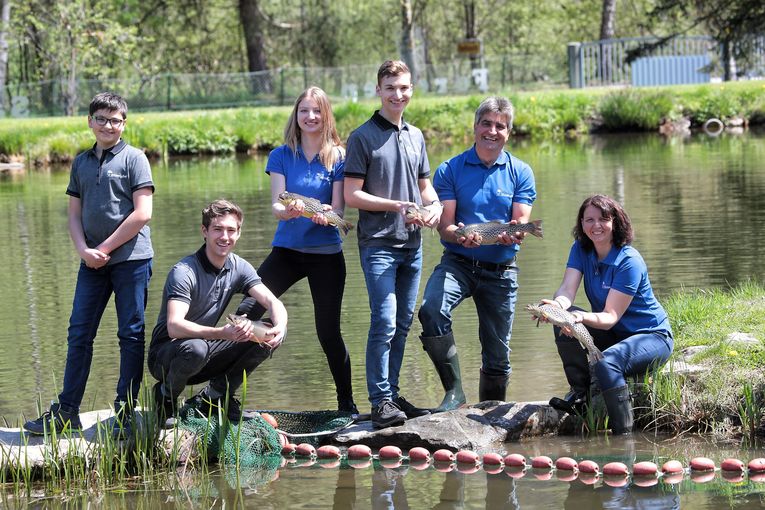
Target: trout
(259,327)
(313,206)
(416,212)
(491,230)
(564,319)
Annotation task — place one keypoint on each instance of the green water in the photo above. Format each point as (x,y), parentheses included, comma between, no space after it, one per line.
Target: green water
(697,207)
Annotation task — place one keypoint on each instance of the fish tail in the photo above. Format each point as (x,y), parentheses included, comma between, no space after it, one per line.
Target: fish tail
(537,229)
(345,227)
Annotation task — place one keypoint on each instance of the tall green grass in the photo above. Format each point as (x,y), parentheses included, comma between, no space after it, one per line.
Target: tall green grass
(541,114)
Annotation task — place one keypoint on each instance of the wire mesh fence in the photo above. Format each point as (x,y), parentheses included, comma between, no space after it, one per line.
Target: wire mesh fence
(280,86)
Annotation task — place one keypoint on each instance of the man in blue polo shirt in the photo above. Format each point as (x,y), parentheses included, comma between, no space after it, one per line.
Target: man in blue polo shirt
(484,183)
(110,204)
(386,171)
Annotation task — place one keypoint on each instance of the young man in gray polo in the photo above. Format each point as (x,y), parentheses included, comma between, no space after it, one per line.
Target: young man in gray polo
(110,205)
(386,171)
(187,345)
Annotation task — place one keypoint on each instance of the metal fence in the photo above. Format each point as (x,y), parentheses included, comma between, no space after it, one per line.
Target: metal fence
(281,86)
(690,59)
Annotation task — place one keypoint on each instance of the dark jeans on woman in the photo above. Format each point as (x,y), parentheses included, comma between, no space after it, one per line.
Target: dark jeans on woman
(326,278)
(623,356)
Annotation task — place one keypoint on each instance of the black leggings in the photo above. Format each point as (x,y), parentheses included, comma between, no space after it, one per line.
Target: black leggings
(326,278)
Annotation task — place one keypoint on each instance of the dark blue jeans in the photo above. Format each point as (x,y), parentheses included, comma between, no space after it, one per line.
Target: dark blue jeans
(129,282)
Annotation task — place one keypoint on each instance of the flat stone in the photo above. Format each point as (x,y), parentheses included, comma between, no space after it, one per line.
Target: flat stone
(693,350)
(484,426)
(743,339)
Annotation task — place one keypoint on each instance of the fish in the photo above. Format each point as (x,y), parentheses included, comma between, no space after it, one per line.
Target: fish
(490,231)
(416,212)
(260,328)
(564,319)
(313,206)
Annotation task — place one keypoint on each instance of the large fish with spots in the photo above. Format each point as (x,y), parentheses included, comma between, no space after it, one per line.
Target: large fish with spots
(313,206)
(564,319)
(491,230)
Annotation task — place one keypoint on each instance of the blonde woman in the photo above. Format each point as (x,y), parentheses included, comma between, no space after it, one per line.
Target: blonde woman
(310,163)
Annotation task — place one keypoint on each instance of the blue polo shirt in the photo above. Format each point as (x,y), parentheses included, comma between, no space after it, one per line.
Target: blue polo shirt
(484,194)
(311,179)
(624,270)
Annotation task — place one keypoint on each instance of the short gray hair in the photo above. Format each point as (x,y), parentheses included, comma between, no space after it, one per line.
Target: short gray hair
(496,104)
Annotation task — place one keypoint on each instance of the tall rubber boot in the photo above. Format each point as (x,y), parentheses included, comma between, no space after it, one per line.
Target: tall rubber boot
(619,406)
(443,353)
(577,373)
(492,387)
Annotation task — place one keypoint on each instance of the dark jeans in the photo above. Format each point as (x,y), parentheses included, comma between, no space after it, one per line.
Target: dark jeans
(623,356)
(178,363)
(129,282)
(326,278)
(282,269)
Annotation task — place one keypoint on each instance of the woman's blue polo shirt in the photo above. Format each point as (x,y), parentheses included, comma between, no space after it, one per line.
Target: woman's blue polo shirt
(311,179)
(624,270)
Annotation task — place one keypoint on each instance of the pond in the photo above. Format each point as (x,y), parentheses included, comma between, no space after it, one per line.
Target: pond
(696,204)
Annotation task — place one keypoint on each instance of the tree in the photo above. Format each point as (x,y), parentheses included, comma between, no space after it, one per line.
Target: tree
(736,25)
(607,30)
(5,21)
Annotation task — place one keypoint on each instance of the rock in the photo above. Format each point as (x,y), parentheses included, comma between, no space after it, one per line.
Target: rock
(742,339)
(692,351)
(479,428)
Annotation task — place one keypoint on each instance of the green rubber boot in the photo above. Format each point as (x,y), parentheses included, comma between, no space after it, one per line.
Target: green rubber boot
(619,406)
(443,353)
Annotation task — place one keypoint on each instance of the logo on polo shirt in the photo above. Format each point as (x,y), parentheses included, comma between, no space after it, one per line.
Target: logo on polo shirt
(122,175)
(503,193)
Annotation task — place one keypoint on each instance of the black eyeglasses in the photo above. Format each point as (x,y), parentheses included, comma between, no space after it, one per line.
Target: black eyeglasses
(102,121)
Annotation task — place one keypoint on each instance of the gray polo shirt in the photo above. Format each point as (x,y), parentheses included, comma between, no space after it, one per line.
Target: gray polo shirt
(106,186)
(206,289)
(391,161)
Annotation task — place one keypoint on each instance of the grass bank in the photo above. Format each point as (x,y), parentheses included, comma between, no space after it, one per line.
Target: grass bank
(542,114)
(727,397)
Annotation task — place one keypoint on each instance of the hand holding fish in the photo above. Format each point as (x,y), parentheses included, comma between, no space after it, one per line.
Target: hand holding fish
(467,239)
(293,209)
(241,329)
(510,237)
(320,218)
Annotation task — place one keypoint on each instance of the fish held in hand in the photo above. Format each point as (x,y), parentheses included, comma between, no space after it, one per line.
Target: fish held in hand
(490,231)
(564,319)
(259,328)
(313,206)
(416,212)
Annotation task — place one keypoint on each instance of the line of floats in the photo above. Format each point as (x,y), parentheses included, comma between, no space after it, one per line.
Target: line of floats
(567,469)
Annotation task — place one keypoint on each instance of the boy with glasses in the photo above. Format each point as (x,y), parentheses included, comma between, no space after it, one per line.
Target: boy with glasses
(110,205)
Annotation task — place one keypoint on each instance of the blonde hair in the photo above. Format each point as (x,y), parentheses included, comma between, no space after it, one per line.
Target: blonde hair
(331,146)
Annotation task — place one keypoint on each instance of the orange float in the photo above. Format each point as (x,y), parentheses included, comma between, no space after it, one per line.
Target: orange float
(672,467)
(269,418)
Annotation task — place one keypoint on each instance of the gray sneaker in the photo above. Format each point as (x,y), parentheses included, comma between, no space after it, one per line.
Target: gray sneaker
(387,414)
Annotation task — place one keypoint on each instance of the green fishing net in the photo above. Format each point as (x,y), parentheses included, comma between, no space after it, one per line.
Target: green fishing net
(254,442)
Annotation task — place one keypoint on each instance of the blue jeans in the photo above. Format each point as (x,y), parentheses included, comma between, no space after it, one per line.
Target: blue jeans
(129,282)
(494,293)
(633,355)
(393,278)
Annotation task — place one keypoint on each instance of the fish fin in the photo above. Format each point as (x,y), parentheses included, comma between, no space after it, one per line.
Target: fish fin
(346,227)
(537,229)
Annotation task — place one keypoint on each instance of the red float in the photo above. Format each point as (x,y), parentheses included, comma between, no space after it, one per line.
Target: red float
(390,452)
(515,460)
(702,464)
(616,469)
(419,454)
(672,467)
(328,451)
(443,455)
(359,451)
(566,464)
(289,449)
(305,450)
(757,465)
(645,468)
(589,466)
(732,465)
(492,459)
(467,457)
(542,462)
(270,420)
